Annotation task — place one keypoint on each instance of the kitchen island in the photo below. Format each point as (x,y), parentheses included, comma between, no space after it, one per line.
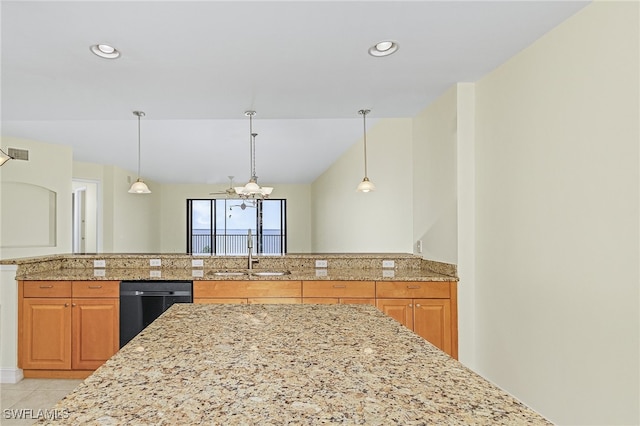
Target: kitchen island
(279,364)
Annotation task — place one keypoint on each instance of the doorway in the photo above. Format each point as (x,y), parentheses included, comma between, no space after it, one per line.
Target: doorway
(85,216)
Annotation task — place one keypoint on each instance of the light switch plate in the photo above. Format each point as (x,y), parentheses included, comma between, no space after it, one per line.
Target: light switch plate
(156,273)
(388,264)
(99,263)
(321,263)
(155,262)
(195,263)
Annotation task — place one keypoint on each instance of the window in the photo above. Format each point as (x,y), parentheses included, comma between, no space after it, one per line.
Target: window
(220,226)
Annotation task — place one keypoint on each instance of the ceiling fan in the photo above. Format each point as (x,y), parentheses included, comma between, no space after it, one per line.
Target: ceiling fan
(229,192)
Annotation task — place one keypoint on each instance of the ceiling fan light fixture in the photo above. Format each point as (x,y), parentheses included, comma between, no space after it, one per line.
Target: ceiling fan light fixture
(139,187)
(105,51)
(252,189)
(383,48)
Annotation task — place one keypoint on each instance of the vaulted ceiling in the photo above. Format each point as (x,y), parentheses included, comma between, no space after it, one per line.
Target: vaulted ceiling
(194,67)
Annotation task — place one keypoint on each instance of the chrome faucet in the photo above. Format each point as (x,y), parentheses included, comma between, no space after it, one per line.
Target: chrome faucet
(250,259)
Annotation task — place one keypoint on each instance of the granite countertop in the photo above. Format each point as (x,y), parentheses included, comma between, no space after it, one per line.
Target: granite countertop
(121,267)
(128,274)
(285,364)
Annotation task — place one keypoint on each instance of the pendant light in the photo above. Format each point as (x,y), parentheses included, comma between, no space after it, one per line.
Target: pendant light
(4,157)
(252,189)
(139,187)
(366,185)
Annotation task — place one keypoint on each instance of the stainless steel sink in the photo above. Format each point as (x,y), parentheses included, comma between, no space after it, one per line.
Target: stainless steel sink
(270,273)
(230,273)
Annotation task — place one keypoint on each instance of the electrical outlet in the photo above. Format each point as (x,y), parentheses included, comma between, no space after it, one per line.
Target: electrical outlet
(195,263)
(98,272)
(321,263)
(419,246)
(388,273)
(155,262)
(156,273)
(321,272)
(197,273)
(100,263)
(388,264)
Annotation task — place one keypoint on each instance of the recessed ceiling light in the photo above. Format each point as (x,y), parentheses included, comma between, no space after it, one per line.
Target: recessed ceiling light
(383,48)
(105,51)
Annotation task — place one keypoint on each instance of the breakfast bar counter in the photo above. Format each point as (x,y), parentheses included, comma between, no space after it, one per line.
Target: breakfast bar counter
(285,364)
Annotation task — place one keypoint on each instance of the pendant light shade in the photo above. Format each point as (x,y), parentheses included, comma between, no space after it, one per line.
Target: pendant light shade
(4,157)
(252,189)
(366,185)
(139,187)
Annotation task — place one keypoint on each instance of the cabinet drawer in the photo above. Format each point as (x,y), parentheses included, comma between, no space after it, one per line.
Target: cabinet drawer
(47,288)
(238,289)
(413,289)
(338,288)
(95,288)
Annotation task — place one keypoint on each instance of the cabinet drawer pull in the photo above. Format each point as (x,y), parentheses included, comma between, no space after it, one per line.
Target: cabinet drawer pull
(46,286)
(95,286)
(413,286)
(339,286)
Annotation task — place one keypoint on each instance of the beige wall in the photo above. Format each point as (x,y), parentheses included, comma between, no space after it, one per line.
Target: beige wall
(557,220)
(434,179)
(129,223)
(174,214)
(344,220)
(49,169)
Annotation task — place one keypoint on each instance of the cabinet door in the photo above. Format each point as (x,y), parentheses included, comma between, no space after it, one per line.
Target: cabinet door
(95,332)
(399,309)
(432,321)
(46,339)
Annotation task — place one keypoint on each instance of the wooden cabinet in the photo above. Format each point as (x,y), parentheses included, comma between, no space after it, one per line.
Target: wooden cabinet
(428,308)
(67,328)
(334,292)
(247,291)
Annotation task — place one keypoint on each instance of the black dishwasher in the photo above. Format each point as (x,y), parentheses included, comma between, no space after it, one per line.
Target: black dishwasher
(141,302)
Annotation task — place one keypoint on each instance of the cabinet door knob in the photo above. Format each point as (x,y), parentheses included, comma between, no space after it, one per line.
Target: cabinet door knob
(73,305)
(417,305)
(410,305)
(66,304)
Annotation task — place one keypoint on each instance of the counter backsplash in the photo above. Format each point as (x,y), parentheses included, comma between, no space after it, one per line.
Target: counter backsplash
(401,261)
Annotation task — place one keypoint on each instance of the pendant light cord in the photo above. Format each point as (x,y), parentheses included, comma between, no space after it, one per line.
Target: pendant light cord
(364,113)
(252,145)
(139,114)
(139,148)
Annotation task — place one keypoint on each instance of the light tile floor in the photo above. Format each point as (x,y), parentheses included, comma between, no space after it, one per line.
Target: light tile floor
(31,394)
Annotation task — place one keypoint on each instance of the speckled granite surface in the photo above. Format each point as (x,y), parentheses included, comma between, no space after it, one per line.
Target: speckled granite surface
(118,267)
(209,274)
(286,364)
